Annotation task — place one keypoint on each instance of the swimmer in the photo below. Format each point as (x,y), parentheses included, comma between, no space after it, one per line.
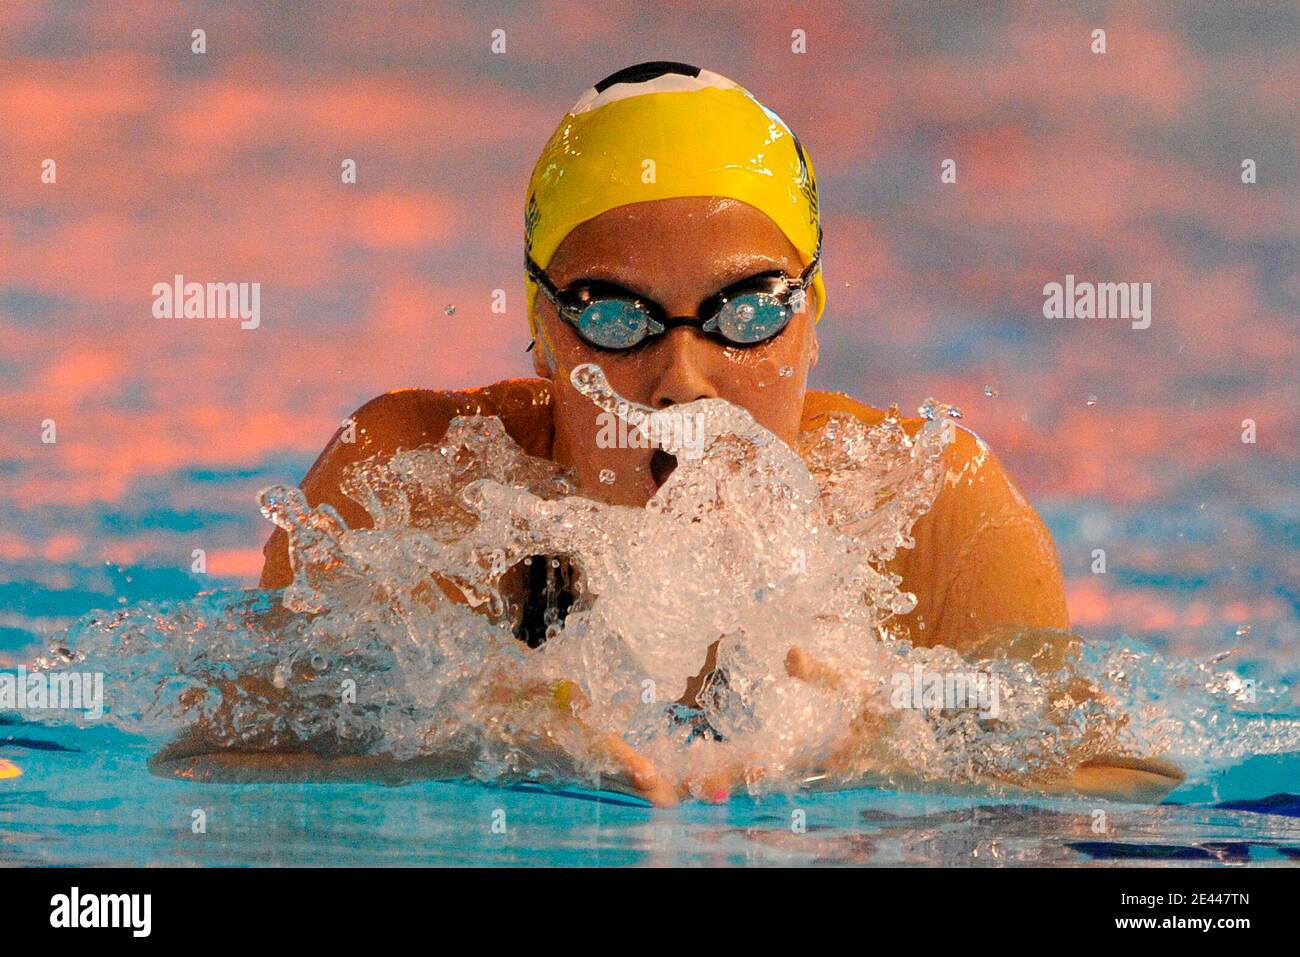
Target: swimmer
(673,237)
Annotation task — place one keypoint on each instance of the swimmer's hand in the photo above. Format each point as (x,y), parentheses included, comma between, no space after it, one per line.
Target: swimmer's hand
(567,745)
(715,782)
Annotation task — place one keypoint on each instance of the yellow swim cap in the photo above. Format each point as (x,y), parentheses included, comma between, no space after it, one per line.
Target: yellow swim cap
(706,136)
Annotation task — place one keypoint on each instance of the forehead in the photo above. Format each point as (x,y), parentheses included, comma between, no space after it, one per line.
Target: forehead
(703,241)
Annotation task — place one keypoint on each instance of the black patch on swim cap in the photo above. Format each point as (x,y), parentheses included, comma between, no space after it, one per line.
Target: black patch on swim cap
(531,215)
(646,71)
(807,185)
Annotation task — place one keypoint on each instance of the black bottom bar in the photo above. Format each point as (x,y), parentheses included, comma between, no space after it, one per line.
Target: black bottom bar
(335,907)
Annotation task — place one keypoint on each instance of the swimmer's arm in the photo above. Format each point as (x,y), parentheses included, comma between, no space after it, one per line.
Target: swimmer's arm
(408,419)
(1112,776)
(989,583)
(1109,776)
(548,736)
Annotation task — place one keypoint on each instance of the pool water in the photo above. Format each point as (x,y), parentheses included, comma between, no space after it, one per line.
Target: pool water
(86,797)
(1127,441)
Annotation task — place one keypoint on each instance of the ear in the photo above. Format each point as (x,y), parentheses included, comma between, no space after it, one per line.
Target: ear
(541,362)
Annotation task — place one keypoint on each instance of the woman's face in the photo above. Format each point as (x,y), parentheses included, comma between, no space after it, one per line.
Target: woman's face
(677,253)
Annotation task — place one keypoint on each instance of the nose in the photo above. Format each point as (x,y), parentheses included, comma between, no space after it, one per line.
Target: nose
(684,377)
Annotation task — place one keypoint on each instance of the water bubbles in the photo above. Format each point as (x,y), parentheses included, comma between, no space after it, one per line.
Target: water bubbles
(903,603)
(1243,631)
(620,596)
(933,411)
(785,372)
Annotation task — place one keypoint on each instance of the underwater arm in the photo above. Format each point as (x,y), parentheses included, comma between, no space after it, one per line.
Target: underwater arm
(1113,776)
(541,726)
(861,759)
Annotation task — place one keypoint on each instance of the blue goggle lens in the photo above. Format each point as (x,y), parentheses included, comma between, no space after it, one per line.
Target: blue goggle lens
(614,323)
(752,317)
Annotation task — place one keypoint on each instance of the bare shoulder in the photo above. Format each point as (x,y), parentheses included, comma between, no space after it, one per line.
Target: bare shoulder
(968,458)
(409,419)
(984,553)
(983,557)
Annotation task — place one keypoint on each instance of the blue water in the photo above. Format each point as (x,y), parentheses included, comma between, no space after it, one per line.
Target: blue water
(86,797)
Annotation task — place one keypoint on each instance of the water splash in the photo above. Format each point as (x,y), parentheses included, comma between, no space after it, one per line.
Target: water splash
(400,639)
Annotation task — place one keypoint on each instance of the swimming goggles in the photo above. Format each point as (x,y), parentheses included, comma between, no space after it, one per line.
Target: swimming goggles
(746,313)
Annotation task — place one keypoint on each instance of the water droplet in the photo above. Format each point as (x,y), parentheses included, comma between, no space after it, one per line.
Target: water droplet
(607,476)
(450,310)
(1092,400)
(991,392)
(1243,631)
(785,372)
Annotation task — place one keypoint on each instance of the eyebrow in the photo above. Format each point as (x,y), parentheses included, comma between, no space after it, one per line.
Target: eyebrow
(745,269)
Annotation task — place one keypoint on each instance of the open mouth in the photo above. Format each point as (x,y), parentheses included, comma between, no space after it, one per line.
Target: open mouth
(661,466)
